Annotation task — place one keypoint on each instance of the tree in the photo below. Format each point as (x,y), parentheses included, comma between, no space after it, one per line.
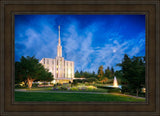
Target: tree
(81,73)
(100,72)
(126,65)
(93,74)
(104,80)
(84,74)
(112,71)
(134,72)
(119,75)
(29,69)
(77,74)
(108,73)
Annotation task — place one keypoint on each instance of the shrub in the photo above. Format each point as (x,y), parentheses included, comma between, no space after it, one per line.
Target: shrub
(109,81)
(35,85)
(59,84)
(104,80)
(75,82)
(74,88)
(63,88)
(82,88)
(20,86)
(91,88)
(124,89)
(90,80)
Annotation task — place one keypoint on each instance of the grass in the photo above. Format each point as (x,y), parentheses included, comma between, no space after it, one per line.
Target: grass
(40,89)
(51,89)
(73,90)
(70,97)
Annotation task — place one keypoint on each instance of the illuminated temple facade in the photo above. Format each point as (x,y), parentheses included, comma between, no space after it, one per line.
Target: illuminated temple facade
(62,70)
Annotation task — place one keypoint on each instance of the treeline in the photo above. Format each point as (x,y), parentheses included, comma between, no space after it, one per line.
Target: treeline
(101,76)
(131,75)
(109,72)
(85,74)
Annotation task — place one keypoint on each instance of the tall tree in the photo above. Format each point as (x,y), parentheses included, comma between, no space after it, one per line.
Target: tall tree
(29,69)
(77,74)
(81,73)
(93,74)
(100,72)
(126,66)
(86,74)
(112,71)
(134,72)
(108,73)
(119,75)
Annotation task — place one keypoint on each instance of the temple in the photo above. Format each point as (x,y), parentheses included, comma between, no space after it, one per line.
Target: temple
(62,70)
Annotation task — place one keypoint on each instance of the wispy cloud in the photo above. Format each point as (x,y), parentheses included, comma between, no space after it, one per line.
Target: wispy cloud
(89,47)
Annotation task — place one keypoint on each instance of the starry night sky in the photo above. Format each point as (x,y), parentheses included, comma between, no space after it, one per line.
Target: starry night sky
(88,40)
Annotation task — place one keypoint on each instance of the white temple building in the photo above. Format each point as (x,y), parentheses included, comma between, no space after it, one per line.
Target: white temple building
(62,70)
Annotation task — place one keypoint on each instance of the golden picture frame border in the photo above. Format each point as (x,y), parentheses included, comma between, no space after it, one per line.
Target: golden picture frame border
(9,8)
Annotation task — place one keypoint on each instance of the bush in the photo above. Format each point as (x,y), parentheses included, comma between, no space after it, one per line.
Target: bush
(59,84)
(20,86)
(124,89)
(109,81)
(74,88)
(91,88)
(75,82)
(90,80)
(35,85)
(63,88)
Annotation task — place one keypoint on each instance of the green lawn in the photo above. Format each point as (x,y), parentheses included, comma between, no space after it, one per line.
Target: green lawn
(40,89)
(51,89)
(40,96)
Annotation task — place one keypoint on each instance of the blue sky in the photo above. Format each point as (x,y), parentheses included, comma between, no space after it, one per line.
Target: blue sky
(88,40)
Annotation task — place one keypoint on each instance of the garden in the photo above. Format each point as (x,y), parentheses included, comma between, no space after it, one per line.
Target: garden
(36,82)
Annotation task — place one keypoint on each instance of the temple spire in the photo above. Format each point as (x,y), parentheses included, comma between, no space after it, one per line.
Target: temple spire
(59,41)
(59,47)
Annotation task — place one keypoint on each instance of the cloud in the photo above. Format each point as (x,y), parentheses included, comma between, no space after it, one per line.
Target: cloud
(89,47)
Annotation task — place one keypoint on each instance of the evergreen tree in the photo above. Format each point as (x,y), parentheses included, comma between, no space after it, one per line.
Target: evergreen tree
(81,73)
(77,74)
(112,71)
(100,72)
(108,73)
(29,69)
(93,74)
(133,72)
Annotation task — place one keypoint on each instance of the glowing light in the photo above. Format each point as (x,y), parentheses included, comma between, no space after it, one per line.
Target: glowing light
(53,81)
(144,90)
(69,71)
(50,69)
(115,83)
